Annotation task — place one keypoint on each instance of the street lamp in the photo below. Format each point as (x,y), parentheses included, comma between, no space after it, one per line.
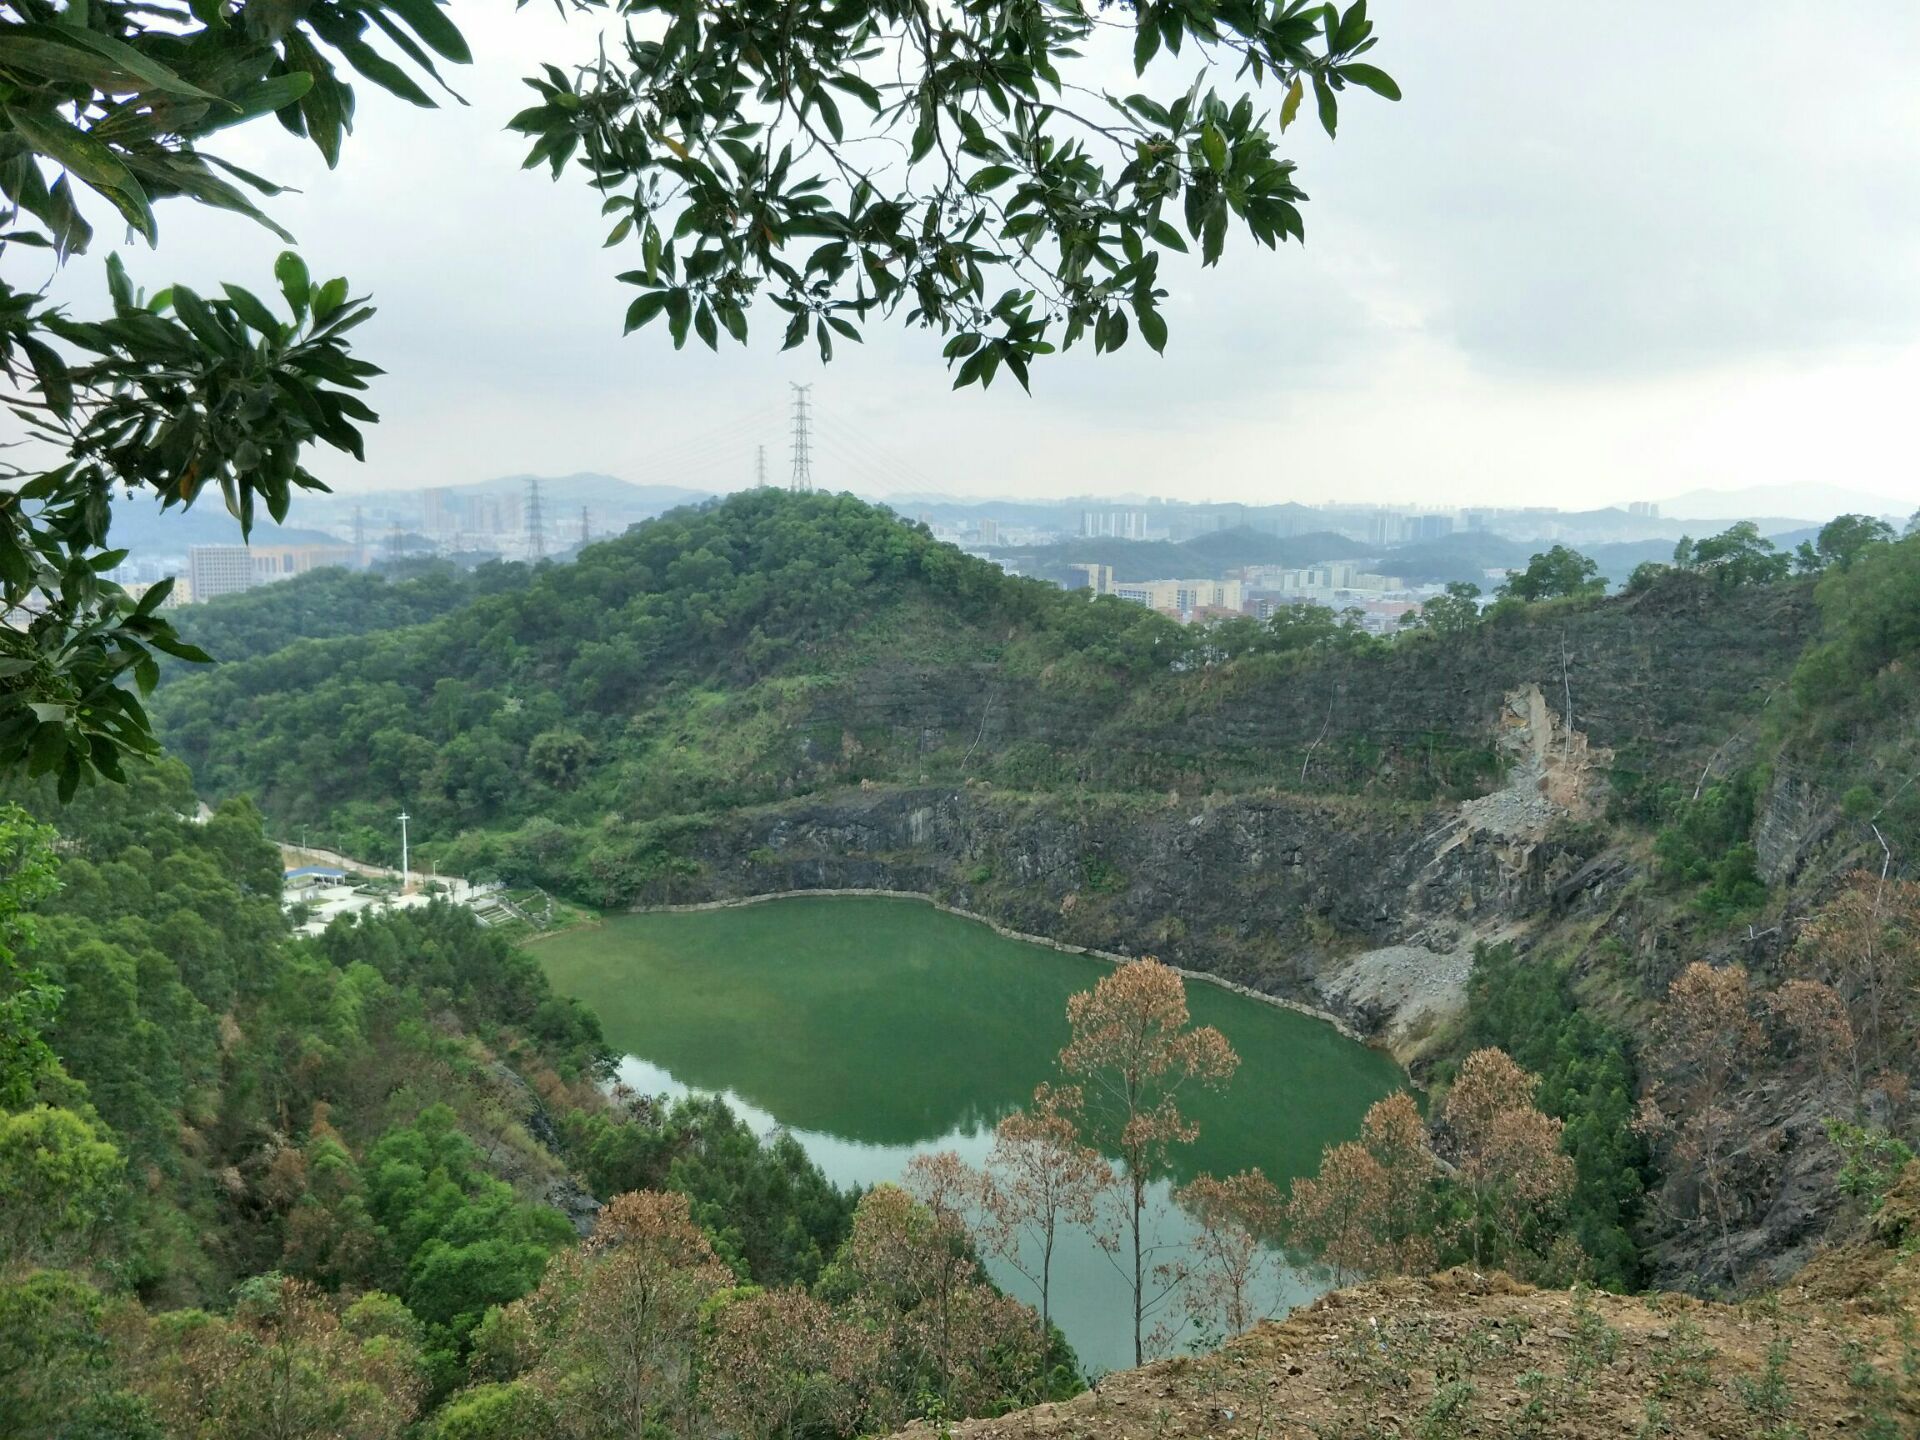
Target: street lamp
(404,817)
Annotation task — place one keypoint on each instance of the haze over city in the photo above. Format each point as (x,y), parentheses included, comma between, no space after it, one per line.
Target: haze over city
(1570,267)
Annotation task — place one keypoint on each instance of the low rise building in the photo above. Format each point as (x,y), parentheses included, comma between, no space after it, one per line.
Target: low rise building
(1183,597)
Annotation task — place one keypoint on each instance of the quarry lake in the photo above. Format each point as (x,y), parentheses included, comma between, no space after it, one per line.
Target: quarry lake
(875,1029)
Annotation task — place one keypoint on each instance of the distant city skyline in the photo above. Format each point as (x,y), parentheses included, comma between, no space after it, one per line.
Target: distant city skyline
(1571,267)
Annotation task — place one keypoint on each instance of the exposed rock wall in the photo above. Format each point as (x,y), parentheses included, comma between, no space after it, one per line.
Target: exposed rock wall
(1659,676)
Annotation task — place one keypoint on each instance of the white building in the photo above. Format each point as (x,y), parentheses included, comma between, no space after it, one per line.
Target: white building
(214,570)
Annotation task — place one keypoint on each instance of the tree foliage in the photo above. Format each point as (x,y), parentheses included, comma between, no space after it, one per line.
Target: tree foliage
(1738,555)
(1133,1050)
(961,168)
(345,1151)
(978,199)
(1369,1210)
(1527,1008)
(1559,573)
(173,394)
(1507,1156)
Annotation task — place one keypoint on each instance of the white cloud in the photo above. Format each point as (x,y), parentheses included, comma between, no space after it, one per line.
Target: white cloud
(1596,254)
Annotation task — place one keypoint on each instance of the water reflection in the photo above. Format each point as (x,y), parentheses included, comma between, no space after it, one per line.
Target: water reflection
(1091,1301)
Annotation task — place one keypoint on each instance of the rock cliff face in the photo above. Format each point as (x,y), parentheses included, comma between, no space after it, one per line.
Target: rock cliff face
(1660,679)
(1795,820)
(1333,900)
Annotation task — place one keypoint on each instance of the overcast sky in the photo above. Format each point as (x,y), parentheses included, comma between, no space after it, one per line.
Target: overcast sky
(1598,253)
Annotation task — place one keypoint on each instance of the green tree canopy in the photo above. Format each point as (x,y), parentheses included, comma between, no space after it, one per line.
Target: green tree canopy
(1738,555)
(1554,574)
(1845,538)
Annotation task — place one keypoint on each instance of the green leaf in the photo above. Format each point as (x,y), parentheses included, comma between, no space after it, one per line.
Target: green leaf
(988,177)
(250,309)
(291,271)
(327,107)
(644,309)
(18,40)
(89,157)
(383,72)
(155,597)
(1372,78)
(1213,233)
(275,92)
(1164,234)
(1153,329)
(332,296)
(1213,145)
(180,649)
(1329,107)
(51,371)
(1146,39)
(430,23)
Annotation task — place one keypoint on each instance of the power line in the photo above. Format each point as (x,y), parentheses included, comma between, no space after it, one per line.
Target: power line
(664,462)
(902,470)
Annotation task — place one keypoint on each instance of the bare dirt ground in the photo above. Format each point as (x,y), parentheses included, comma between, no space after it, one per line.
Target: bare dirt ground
(1462,1355)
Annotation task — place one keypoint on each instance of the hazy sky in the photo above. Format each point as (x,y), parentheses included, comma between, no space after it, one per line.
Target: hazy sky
(1598,253)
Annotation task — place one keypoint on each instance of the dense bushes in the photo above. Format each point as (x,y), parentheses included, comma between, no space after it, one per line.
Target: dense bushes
(767,1208)
(1527,1008)
(324,604)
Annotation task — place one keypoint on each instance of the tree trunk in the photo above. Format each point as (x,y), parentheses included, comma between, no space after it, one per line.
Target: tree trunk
(1139,1204)
(1046,1285)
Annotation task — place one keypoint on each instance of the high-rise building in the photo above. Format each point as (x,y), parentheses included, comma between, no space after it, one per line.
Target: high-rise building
(441,511)
(214,570)
(1114,524)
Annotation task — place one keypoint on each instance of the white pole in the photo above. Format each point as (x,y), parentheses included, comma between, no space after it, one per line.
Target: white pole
(404,817)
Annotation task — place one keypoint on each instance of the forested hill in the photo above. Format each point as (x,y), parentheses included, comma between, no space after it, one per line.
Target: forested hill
(773,645)
(558,682)
(329,603)
(255,1187)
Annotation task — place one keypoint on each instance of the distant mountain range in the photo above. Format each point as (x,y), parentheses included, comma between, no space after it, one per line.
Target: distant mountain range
(141,526)
(1816,502)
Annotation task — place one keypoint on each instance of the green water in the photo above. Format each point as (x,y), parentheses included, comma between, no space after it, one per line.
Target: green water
(876,1029)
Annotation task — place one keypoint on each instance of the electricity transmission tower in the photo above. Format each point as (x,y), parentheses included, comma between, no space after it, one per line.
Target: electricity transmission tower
(760,466)
(536,524)
(359,529)
(802,437)
(586,525)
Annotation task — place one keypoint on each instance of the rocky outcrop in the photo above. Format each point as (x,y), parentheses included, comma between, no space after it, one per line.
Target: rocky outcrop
(1796,818)
(543,1177)
(1656,676)
(1371,907)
